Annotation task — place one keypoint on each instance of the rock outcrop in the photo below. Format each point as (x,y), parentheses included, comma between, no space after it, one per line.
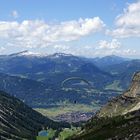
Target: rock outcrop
(118,120)
(127,102)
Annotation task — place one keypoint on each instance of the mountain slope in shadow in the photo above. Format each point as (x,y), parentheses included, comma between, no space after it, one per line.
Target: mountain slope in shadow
(20,122)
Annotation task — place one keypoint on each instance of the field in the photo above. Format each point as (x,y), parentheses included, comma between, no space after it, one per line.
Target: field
(68,132)
(65,133)
(69,108)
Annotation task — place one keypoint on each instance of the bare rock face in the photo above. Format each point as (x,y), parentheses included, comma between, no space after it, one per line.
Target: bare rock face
(127,102)
(119,119)
(134,90)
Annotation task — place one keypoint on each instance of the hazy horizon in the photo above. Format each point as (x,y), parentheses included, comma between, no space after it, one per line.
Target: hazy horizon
(27,52)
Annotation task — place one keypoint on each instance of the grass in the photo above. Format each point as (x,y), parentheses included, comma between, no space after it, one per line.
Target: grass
(55,111)
(105,128)
(114,86)
(66,133)
(41,138)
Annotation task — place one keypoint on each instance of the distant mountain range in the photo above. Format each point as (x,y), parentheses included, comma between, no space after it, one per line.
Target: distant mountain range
(109,60)
(37,79)
(41,95)
(45,81)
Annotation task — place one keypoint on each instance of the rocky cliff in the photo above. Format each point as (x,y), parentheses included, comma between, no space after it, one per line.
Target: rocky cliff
(118,120)
(127,102)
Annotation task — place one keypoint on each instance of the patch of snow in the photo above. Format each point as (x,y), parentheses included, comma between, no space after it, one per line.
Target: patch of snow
(29,53)
(57,55)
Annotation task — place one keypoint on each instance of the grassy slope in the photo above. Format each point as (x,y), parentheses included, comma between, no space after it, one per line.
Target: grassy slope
(116,127)
(55,111)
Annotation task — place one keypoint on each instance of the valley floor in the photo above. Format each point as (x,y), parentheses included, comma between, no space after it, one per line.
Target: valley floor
(70,112)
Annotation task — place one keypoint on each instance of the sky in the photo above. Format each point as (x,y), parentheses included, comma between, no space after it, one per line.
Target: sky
(88,28)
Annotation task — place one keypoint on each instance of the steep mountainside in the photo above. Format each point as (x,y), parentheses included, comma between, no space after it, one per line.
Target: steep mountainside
(18,121)
(124,71)
(108,60)
(115,128)
(127,102)
(119,119)
(27,65)
(41,95)
(37,80)
(57,66)
(25,89)
(126,66)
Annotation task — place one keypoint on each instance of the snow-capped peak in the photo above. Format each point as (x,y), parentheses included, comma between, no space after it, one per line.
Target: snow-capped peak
(57,55)
(28,53)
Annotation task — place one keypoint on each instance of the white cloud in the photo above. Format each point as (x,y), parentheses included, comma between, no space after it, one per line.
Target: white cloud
(61,47)
(73,30)
(92,51)
(14,14)
(37,33)
(129,52)
(119,52)
(128,23)
(2,49)
(114,44)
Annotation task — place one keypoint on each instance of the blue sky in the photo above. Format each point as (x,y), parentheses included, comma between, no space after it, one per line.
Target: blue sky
(82,27)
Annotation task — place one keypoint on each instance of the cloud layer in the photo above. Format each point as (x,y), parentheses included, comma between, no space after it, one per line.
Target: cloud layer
(62,36)
(128,23)
(32,34)
(114,44)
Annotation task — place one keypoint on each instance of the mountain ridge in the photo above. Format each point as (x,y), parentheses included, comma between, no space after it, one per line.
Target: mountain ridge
(124,103)
(118,119)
